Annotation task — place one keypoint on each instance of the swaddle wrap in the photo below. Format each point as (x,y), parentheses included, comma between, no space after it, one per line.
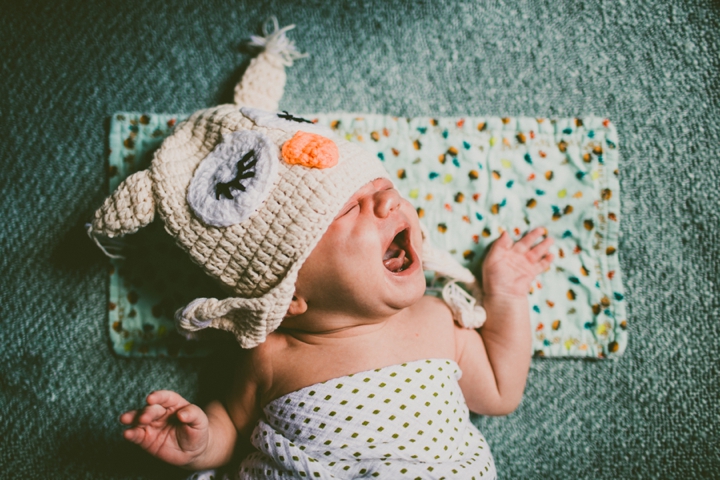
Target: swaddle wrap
(401,421)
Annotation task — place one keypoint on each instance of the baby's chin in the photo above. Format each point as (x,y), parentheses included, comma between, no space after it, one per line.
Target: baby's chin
(409,293)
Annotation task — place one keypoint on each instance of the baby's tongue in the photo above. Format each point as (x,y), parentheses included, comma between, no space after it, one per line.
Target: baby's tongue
(394,264)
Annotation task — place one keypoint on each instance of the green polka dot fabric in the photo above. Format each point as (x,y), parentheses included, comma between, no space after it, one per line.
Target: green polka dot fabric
(402,421)
(470,178)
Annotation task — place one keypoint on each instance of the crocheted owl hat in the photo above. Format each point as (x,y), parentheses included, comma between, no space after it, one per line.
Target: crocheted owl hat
(248,194)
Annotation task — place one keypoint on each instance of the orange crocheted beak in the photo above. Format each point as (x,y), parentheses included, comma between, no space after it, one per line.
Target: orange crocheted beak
(310,150)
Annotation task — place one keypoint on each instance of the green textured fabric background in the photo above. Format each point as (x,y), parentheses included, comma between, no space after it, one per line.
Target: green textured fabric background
(650,66)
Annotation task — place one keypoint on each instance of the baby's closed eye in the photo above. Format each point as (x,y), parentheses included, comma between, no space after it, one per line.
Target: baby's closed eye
(347,209)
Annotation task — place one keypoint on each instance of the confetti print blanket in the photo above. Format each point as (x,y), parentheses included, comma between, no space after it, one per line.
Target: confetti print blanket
(402,421)
(470,178)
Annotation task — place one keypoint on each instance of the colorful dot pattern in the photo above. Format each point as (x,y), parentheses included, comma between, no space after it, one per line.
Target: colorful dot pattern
(469,178)
(472,178)
(401,421)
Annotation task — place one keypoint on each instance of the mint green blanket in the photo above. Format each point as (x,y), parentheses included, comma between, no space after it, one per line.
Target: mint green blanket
(469,178)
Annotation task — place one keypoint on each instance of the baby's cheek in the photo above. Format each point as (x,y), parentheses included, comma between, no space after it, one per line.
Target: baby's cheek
(416,233)
(419,284)
(410,209)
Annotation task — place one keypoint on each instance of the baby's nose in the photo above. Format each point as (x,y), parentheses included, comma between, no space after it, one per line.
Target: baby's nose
(386,201)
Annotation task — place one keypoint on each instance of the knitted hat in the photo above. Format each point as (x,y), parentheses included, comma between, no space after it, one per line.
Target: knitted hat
(248,193)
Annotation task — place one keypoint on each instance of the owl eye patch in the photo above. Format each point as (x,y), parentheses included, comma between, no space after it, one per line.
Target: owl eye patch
(234,179)
(244,171)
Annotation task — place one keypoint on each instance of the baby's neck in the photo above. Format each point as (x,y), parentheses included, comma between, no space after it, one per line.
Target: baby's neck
(302,353)
(313,327)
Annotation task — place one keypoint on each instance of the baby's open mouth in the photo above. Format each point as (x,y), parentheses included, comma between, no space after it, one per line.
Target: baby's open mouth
(397,256)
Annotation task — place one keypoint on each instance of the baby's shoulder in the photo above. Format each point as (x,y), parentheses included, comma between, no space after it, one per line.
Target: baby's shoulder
(432,309)
(257,363)
(433,320)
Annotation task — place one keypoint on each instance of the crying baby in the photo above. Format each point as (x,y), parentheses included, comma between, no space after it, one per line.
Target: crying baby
(365,376)
(348,370)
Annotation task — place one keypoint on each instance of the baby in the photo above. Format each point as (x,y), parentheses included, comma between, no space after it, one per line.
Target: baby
(348,369)
(359,306)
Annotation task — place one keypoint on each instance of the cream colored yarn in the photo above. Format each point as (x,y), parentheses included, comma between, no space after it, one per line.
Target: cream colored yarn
(465,308)
(131,207)
(264,86)
(256,260)
(252,90)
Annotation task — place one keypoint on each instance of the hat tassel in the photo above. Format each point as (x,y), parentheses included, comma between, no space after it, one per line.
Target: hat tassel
(263,83)
(277,44)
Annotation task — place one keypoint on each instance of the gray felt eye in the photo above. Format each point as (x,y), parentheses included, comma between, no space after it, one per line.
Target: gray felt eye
(234,179)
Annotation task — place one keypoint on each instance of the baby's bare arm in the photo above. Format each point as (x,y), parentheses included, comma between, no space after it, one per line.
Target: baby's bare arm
(231,422)
(496,361)
(178,432)
(221,439)
(243,401)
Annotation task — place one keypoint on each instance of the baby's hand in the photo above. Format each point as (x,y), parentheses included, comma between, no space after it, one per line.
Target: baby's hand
(509,268)
(169,427)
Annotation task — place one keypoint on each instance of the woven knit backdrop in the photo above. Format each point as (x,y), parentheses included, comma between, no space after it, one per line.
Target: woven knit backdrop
(650,66)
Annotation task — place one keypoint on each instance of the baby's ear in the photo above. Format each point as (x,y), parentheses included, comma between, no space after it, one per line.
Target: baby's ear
(298,306)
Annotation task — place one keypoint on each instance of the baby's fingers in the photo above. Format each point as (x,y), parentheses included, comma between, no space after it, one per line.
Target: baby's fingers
(546,261)
(526,243)
(504,241)
(151,413)
(193,416)
(540,250)
(167,399)
(135,435)
(128,417)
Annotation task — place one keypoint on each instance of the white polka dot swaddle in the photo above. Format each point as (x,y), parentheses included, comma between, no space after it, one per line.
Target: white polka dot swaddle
(402,421)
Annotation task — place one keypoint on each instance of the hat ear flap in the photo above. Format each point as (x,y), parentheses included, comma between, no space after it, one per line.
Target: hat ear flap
(441,262)
(128,209)
(251,320)
(465,309)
